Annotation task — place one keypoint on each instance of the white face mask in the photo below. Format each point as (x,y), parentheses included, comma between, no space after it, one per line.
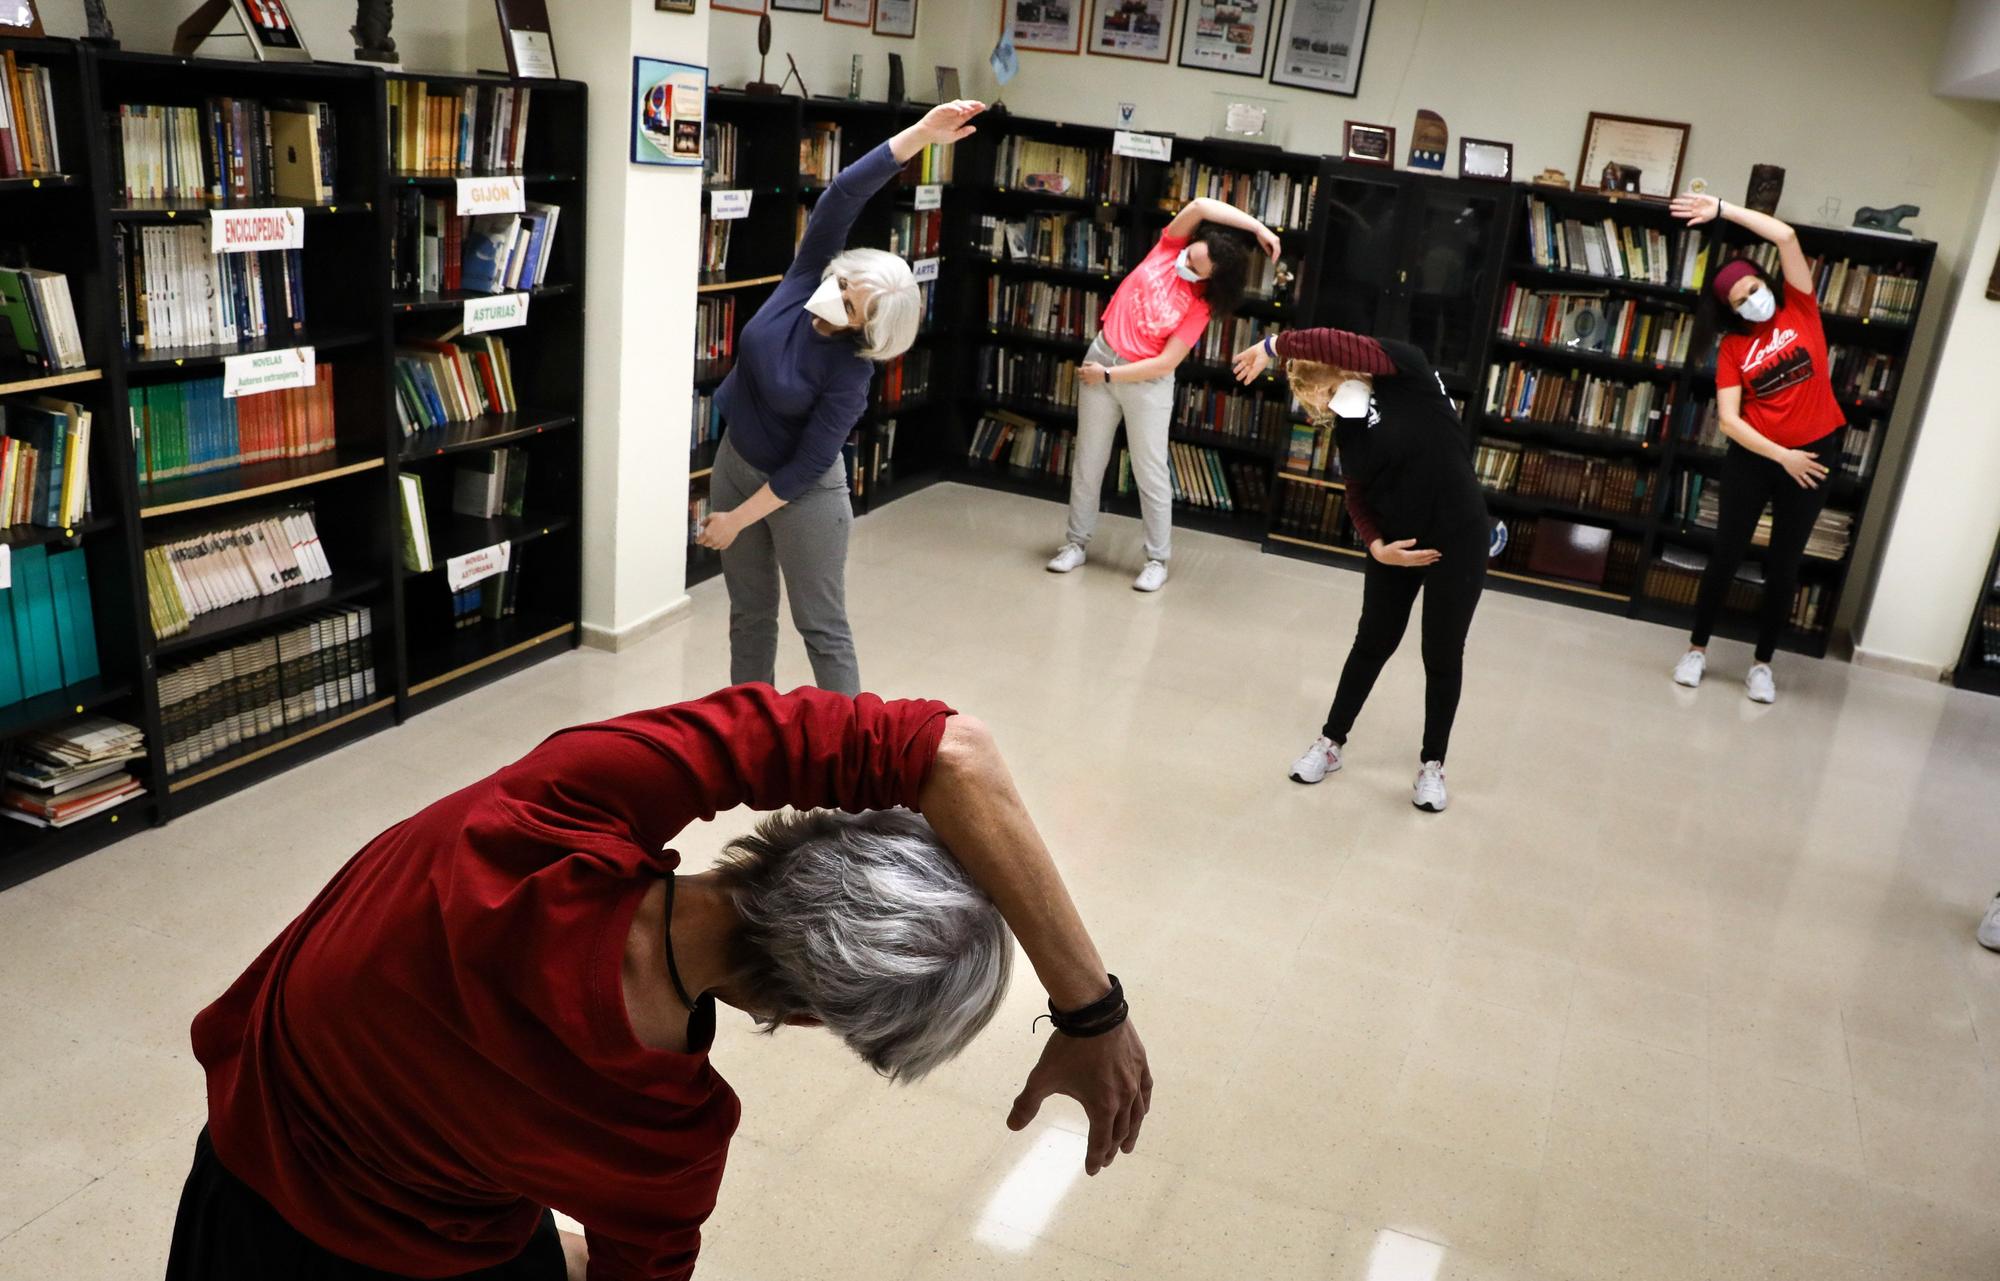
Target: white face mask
(1758,307)
(1184,271)
(828,304)
(1350,399)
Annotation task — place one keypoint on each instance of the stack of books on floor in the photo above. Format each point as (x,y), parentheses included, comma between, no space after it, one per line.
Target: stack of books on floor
(260,688)
(1584,401)
(174,292)
(1602,247)
(227,149)
(65,775)
(476,129)
(1054,311)
(441,382)
(38,329)
(1009,440)
(44,463)
(190,577)
(186,428)
(29,143)
(48,630)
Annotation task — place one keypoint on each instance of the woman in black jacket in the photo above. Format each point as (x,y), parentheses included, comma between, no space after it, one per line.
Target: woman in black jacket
(1407,463)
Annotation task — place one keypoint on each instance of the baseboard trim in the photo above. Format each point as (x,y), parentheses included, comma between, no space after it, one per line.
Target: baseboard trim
(1896,663)
(613,640)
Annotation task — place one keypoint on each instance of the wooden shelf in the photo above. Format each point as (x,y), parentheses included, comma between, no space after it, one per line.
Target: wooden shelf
(38,182)
(721,286)
(257,750)
(49,535)
(57,705)
(482,433)
(161,359)
(192,209)
(457,535)
(42,382)
(253,480)
(1584,282)
(457,298)
(1589,359)
(268,611)
(470,649)
(1299,478)
(1560,434)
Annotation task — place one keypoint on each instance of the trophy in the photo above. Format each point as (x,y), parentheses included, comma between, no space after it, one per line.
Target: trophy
(761,85)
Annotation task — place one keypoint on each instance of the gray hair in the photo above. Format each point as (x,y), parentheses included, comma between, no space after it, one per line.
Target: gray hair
(895,307)
(866,923)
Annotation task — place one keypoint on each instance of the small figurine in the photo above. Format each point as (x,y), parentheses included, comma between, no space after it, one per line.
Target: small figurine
(1890,219)
(372,41)
(98,24)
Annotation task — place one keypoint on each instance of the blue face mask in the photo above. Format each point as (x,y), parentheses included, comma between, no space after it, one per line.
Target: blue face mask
(1184,271)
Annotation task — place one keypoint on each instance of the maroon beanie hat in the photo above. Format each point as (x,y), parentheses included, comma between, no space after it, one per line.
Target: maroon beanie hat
(1726,279)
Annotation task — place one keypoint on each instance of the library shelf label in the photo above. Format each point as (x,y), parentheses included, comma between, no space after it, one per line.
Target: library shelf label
(930,195)
(262,371)
(924,269)
(726,205)
(461,572)
(502,311)
(1141,146)
(498,195)
(252,231)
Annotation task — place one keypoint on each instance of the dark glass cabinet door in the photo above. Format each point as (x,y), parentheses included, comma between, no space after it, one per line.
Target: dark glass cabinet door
(1454,261)
(1358,286)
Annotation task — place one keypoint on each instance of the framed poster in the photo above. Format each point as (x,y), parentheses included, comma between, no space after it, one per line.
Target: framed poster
(897,18)
(797,6)
(273,34)
(737,6)
(1045,26)
(1228,35)
(1485,160)
(667,105)
(1630,155)
(1320,44)
(1139,29)
(851,13)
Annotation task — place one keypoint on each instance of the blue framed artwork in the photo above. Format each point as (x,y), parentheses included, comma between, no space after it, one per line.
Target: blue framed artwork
(668,102)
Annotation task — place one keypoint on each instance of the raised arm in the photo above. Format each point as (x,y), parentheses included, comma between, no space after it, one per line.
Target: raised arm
(1696,210)
(833,217)
(1202,209)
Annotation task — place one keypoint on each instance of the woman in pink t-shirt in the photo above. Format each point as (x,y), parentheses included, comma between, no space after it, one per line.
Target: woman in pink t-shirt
(1197,269)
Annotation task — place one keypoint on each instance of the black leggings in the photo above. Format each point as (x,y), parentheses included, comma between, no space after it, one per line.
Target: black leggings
(1451,590)
(1748,482)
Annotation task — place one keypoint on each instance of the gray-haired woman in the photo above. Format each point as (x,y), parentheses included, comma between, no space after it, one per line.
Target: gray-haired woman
(800,385)
(505,1003)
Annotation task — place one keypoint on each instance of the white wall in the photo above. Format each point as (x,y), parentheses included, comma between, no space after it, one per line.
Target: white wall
(824,51)
(1970,67)
(430,36)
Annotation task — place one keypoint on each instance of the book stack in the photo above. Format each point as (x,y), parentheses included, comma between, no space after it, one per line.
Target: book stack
(1055,311)
(1225,336)
(472,130)
(1581,401)
(1496,465)
(1856,290)
(1315,514)
(1279,200)
(906,378)
(185,428)
(916,233)
(1596,323)
(1008,440)
(228,150)
(707,422)
(1026,164)
(48,632)
(1040,379)
(44,463)
(715,329)
(509,251)
(819,153)
(258,689)
(1309,450)
(1860,374)
(452,382)
(38,329)
(718,154)
(1573,480)
(931,165)
(491,482)
(1200,477)
(65,775)
(1253,417)
(1075,242)
(173,292)
(1602,247)
(190,577)
(29,143)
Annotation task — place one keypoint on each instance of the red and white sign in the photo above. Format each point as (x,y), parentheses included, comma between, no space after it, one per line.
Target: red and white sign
(251,231)
(462,572)
(492,195)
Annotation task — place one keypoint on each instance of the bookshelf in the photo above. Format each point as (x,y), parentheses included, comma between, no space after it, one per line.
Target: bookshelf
(377,643)
(1979,663)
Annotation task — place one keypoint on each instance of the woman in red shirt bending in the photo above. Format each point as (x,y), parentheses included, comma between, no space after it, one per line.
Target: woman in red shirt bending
(1776,404)
(1197,269)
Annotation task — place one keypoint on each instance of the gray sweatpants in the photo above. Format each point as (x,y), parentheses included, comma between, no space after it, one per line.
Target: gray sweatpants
(806,539)
(1148,410)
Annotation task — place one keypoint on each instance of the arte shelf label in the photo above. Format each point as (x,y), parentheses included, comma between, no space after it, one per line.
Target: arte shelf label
(930,195)
(502,311)
(263,371)
(253,231)
(461,572)
(1141,146)
(924,269)
(729,204)
(504,194)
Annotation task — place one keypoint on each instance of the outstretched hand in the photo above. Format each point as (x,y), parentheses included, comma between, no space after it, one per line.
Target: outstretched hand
(1695,210)
(950,121)
(1107,1075)
(1251,362)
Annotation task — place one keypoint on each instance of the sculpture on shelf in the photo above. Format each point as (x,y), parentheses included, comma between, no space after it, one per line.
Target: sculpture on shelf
(761,85)
(1767,183)
(372,41)
(1890,219)
(98,24)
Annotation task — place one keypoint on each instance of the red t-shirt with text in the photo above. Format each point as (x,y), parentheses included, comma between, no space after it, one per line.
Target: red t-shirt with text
(1782,367)
(1153,304)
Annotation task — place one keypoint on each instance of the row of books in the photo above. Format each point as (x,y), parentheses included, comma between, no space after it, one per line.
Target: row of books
(44,463)
(1201,478)
(174,292)
(60,776)
(38,329)
(435,250)
(1586,402)
(1227,335)
(1310,451)
(916,233)
(1596,323)
(718,154)
(452,382)
(1848,288)
(1010,440)
(1675,578)
(491,482)
(707,422)
(931,165)
(1860,374)
(1551,547)
(29,142)
(907,377)
(715,327)
(185,428)
(1051,310)
(1574,480)
(715,243)
(1832,531)
(1253,417)
(1046,379)
(1857,443)
(474,129)
(48,631)
(819,152)
(1605,247)
(1028,164)
(212,570)
(227,149)
(1074,242)
(1280,200)
(1314,513)
(258,689)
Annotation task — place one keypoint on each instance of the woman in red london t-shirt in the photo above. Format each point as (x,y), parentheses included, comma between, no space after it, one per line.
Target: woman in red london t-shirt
(1197,269)
(1776,404)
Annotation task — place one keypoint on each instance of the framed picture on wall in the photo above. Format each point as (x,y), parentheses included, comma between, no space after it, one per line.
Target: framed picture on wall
(674,6)
(1631,156)
(737,6)
(1485,160)
(668,101)
(896,18)
(1045,26)
(797,6)
(1139,29)
(273,34)
(852,13)
(1320,44)
(1228,35)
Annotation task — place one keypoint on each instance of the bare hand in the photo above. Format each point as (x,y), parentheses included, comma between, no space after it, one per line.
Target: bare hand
(719,530)
(1251,362)
(949,122)
(1802,467)
(1696,210)
(1268,241)
(1108,1075)
(1403,553)
(1092,373)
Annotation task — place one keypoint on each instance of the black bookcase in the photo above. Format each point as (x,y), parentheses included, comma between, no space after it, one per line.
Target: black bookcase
(1979,662)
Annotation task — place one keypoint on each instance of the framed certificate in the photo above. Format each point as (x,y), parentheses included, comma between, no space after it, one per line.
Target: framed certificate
(1631,156)
(1045,26)
(1142,30)
(851,13)
(896,18)
(1232,36)
(1320,44)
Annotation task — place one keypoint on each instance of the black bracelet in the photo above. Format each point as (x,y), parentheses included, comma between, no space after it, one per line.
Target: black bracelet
(1099,1028)
(1095,1019)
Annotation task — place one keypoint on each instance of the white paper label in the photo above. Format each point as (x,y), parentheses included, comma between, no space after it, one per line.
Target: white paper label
(1142,146)
(501,311)
(249,231)
(534,54)
(6,567)
(267,371)
(726,205)
(461,572)
(491,196)
(930,196)
(924,269)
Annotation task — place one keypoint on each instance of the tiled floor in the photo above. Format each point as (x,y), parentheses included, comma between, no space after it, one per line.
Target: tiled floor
(1680,987)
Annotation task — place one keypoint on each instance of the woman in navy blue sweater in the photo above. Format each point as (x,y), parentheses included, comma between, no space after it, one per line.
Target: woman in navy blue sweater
(800,385)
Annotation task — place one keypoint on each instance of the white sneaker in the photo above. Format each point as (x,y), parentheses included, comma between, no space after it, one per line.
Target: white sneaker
(1688,671)
(1321,759)
(1989,929)
(1759,685)
(1152,578)
(1065,560)
(1428,790)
